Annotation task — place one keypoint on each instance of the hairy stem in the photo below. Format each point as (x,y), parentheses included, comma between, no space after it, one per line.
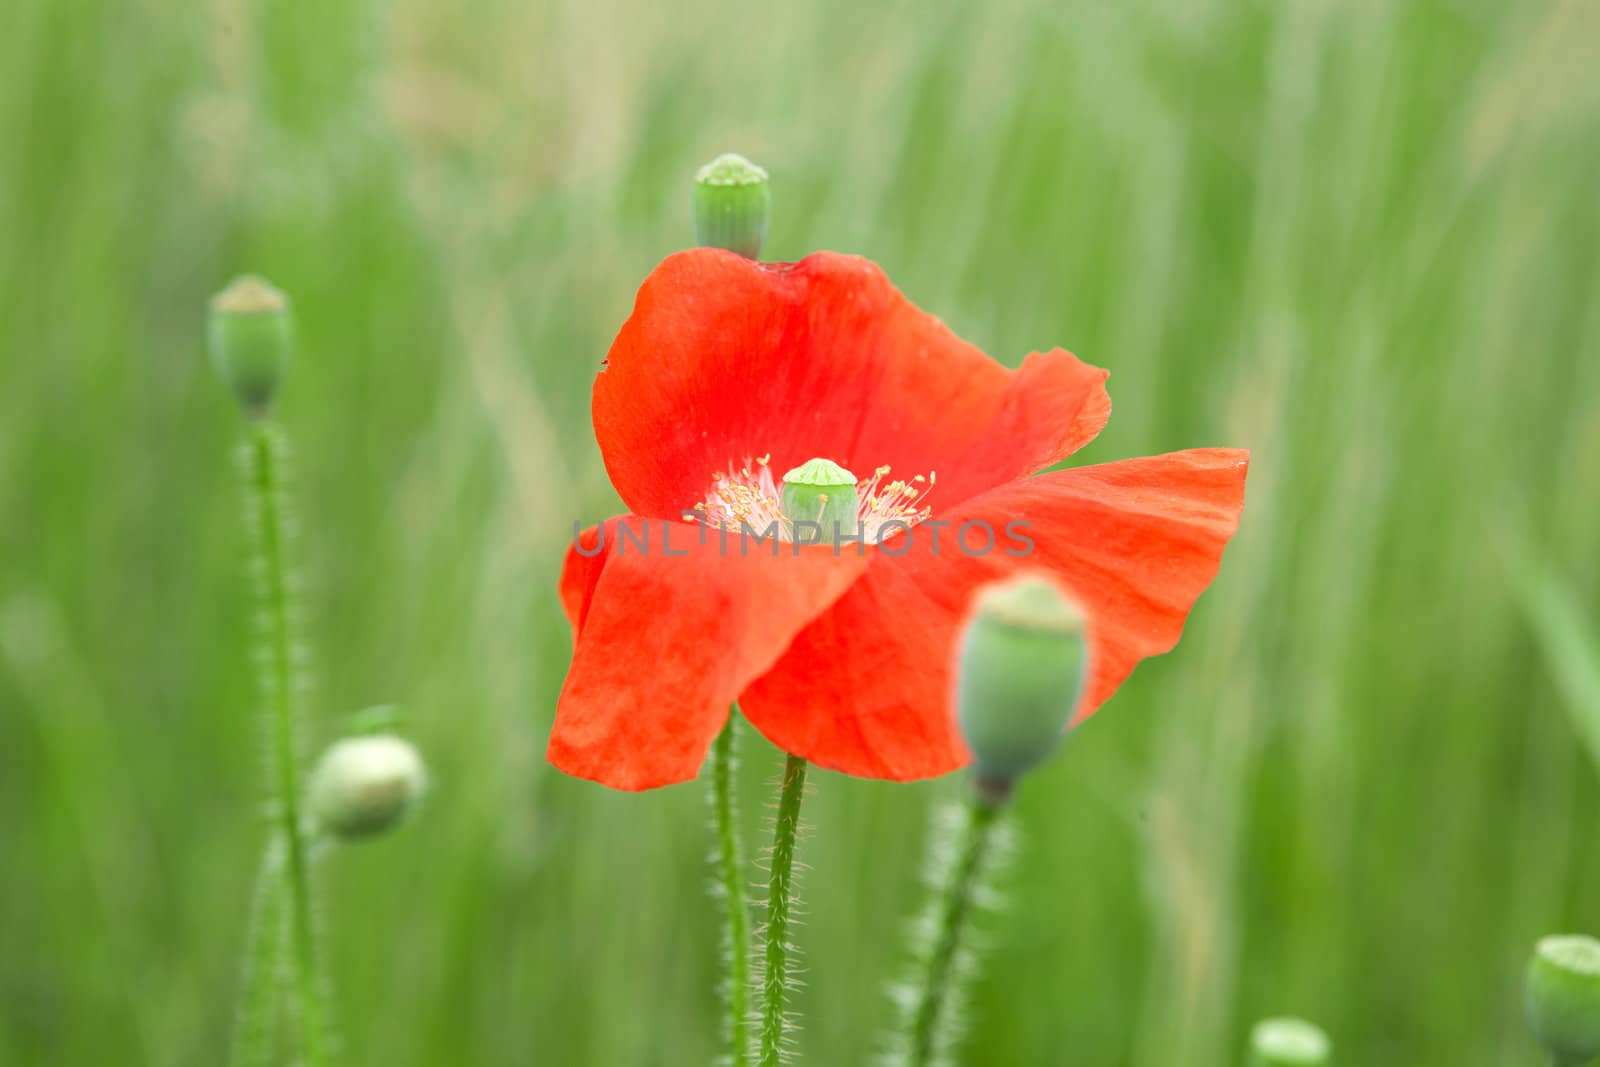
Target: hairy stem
(731,883)
(780,888)
(939,982)
(268,457)
(260,994)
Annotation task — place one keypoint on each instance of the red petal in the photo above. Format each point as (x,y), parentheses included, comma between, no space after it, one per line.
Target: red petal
(586,558)
(666,642)
(866,688)
(725,360)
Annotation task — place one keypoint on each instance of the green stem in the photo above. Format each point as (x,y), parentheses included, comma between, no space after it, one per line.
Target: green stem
(940,981)
(780,887)
(260,994)
(731,879)
(269,457)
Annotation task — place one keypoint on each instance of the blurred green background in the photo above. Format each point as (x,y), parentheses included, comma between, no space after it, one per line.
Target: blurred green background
(1360,238)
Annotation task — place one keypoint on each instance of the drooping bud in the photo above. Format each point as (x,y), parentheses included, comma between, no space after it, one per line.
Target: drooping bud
(731,205)
(1563,997)
(1288,1042)
(822,492)
(249,334)
(1023,659)
(364,786)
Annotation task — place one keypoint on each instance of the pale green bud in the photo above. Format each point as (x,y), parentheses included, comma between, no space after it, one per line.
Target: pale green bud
(250,334)
(822,492)
(1023,659)
(364,786)
(1288,1042)
(1563,997)
(731,205)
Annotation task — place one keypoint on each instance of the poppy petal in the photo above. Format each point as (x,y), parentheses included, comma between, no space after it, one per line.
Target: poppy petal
(670,629)
(586,558)
(866,688)
(725,360)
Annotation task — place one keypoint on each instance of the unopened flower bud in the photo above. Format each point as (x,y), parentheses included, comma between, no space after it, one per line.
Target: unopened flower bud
(363,786)
(1023,660)
(249,334)
(1563,997)
(822,492)
(1288,1042)
(731,205)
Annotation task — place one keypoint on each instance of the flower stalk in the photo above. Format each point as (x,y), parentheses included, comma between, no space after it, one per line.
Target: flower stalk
(729,887)
(960,878)
(780,890)
(1021,664)
(261,994)
(266,460)
(731,205)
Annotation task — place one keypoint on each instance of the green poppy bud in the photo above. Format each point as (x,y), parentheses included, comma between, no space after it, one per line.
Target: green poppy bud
(364,786)
(1021,670)
(250,335)
(822,492)
(1563,997)
(731,205)
(1288,1043)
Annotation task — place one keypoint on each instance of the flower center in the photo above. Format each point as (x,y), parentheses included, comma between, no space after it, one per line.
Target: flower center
(749,499)
(822,493)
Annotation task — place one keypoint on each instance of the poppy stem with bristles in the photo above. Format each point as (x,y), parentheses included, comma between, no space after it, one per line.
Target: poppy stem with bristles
(266,459)
(731,888)
(255,1036)
(942,958)
(780,889)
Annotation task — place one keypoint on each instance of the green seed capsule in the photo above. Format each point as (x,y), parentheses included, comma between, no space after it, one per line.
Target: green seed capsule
(364,786)
(1288,1043)
(822,492)
(250,335)
(732,204)
(1563,997)
(1023,659)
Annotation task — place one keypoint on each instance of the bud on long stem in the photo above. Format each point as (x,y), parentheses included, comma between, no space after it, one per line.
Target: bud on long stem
(1021,667)
(731,205)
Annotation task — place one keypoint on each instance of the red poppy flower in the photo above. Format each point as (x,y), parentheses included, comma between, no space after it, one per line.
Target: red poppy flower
(729,370)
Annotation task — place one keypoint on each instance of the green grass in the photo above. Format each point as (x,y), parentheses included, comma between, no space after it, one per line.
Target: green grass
(1361,239)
